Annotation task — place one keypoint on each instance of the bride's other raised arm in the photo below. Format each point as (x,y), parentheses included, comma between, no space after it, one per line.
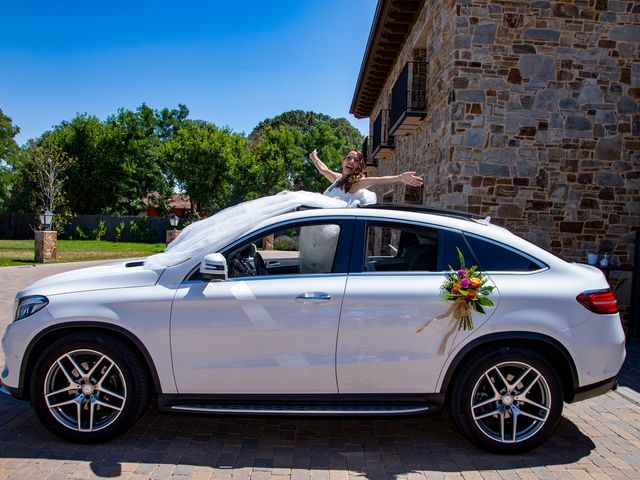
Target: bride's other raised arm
(322,168)
(408,178)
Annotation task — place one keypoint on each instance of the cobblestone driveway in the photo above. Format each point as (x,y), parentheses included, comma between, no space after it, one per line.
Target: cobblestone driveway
(597,439)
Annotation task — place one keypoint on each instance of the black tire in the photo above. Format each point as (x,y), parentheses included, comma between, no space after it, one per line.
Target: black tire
(101,402)
(532,406)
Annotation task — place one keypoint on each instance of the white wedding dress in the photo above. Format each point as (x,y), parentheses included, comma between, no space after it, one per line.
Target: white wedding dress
(360,198)
(213,233)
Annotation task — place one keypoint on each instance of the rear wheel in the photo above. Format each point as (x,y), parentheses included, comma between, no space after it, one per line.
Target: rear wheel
(89,388)
(508,400)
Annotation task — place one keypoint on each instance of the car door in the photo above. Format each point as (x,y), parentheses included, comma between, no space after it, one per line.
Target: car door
(393,290)
(271,327)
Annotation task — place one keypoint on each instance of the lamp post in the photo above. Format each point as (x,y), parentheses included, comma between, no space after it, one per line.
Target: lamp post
(172,234)
(46,240)
(46,216)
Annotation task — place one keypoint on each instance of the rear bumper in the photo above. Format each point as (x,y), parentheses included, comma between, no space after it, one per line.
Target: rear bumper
(595,389)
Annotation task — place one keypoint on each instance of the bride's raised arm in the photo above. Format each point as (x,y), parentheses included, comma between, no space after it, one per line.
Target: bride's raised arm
(322,168)
(408,178)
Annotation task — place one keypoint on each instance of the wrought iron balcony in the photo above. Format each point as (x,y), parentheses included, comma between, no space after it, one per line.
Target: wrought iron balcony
(408,99)
(382,146)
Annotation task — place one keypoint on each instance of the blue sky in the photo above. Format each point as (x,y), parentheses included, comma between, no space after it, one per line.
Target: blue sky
(231,63)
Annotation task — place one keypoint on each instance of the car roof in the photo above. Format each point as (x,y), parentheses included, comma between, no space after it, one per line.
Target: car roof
(428,217)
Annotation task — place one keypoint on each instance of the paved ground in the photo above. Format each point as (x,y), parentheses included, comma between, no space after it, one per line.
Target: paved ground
(597,439)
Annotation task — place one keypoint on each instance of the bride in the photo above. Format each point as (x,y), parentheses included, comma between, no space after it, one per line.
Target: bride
(352,185)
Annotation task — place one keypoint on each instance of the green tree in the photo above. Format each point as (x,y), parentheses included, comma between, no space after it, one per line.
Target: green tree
(202,157)
(9,178)
(277,161)
(118,162)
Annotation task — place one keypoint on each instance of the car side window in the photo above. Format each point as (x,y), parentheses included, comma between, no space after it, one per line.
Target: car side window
(290,250)
(495,257)
(397,248)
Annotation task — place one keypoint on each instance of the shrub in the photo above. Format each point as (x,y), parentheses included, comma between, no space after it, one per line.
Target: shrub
(97,233)
(285,242)
(119,230)
(139,230)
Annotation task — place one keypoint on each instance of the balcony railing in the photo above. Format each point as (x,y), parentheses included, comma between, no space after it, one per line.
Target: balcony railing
(381,142)
(408,98)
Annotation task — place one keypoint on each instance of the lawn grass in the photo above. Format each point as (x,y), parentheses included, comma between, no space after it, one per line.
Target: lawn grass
(20,252)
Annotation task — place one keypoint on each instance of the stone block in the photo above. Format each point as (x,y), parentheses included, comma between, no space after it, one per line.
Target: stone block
(506,191)
(474,96)
(565,10)
(484,34)
(462,41)
(627,105)
(46,246)
(546,100)
(589,204)
(524,48)
(171,235)
(493,84)
(514,76)
(605,117)
(575,122)
(510,210)
(591,94)
(608,179)
(542,4)
(537,67)
(571,227)
(609,148)
(542,34)
(475,138)
(625,33)
(493,170)
(559,192)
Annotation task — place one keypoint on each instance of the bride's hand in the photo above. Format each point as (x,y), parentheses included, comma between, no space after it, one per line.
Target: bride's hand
(410,178)
(314,156)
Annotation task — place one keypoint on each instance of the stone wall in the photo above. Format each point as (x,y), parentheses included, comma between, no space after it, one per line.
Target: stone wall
(533,118)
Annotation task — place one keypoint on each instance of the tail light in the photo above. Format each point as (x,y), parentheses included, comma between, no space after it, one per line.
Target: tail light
(599,301)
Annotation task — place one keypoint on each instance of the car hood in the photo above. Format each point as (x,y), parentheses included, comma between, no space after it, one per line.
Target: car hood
(123,274)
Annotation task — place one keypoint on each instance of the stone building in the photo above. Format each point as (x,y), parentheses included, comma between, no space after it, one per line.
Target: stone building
(522,110)
(526,111)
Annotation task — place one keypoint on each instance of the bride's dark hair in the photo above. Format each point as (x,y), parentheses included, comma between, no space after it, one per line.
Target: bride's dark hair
(346,182)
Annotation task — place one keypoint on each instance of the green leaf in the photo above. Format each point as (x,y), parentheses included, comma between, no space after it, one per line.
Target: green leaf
(485,301)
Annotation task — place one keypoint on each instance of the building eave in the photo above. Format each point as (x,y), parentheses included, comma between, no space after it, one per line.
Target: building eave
(392,23)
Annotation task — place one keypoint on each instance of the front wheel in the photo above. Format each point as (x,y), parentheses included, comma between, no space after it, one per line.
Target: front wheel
(89,388)
(507,400)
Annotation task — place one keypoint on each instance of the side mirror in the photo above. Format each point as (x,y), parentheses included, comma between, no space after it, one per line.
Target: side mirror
(213,267)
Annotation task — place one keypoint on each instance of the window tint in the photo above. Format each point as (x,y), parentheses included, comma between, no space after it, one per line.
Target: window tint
(287,251)
(495,257)
(397,248)
(451,241)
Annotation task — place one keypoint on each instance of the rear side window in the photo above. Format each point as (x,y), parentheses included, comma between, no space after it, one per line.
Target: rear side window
(495,257)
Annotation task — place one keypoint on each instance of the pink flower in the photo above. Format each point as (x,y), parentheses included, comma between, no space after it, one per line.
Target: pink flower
(454,292)
(461,273)
(464,283)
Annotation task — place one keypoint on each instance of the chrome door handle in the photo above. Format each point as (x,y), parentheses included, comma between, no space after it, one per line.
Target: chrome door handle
(315,296)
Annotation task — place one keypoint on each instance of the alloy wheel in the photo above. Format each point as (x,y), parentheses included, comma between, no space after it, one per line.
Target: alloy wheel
(511,402)
(85,390)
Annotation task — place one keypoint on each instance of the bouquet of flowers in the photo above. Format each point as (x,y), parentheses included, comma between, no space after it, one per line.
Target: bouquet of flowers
(467,289)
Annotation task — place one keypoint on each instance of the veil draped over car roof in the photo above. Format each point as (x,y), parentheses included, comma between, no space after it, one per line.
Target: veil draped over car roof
(213,233)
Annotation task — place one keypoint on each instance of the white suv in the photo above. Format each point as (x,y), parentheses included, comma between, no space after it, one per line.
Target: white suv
(316,312)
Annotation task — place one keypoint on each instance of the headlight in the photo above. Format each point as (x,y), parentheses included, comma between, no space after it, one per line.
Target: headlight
(30,305)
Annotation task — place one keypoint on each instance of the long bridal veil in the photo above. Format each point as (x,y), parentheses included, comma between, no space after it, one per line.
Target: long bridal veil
(213,233)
